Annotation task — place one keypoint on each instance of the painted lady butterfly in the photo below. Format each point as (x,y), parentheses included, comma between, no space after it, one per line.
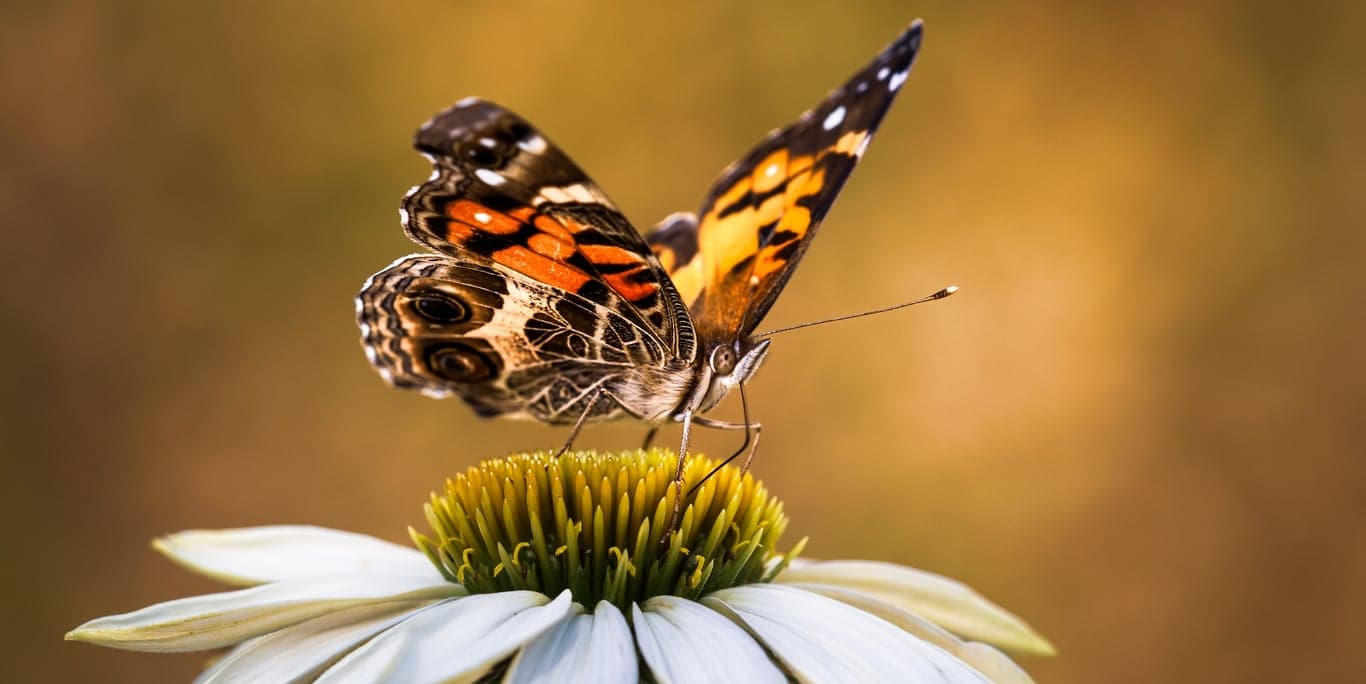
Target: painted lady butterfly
(541,301)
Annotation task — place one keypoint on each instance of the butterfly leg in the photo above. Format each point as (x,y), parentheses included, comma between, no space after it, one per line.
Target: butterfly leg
(578,425)
(748,447)
(747,426)
(687,419)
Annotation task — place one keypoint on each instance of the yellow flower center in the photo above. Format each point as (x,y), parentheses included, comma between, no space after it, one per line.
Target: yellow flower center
(595,523)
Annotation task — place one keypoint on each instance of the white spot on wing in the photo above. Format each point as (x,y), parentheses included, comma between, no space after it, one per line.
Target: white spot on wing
(466,102)
(754,281)
(863,146)
(490,177)
(772,170)
(580,193)
(535,144)
(556,195)
(862,87)
(402,215)
(883,73)
(482,217)
(834,118)
(488,142)
(897,79)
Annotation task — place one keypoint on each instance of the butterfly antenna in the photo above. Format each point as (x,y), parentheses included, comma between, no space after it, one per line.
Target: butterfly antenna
(927,298)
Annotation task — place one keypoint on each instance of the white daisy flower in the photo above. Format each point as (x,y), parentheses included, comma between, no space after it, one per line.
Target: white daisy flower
(546,569)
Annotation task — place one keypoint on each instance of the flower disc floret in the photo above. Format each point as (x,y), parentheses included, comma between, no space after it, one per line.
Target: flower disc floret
(594,523)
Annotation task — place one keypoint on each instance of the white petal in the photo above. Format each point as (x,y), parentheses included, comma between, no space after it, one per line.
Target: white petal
(380,657)
(983,658)
(300,652)
(997,666)
(218,620)
(453,641)
(582,649)
(255,555)
(820,639)
(945,602)
(906,620)
(683,641)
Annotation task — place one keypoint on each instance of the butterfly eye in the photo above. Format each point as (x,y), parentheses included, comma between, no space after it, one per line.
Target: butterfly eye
(458,363)
(440,308)
(723,360)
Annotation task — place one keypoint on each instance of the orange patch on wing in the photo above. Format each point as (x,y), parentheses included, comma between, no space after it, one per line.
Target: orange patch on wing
(666,256)
(625,286)
(727,241)
(483,218)
(768,212)
(770,172)
(574,227)
(688,280)
(809,185)
(541,268)
(797,220)
(732,194)
(849,142)
(550,246)
(458,233)
(546,224)
(609,255)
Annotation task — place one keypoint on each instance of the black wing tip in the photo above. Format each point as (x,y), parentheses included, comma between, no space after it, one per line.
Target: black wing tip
(435,135)
(903,50)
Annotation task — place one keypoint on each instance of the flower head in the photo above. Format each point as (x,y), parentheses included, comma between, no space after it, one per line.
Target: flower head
(553,569)
(594,524)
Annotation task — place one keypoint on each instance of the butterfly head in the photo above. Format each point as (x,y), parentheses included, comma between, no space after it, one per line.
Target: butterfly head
(729,365)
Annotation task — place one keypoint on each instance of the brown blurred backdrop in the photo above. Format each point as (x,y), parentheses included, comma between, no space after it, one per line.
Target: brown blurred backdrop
(1140,424)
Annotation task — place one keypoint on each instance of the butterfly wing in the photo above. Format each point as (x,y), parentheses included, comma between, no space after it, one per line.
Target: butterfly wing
(541,293)
(511,345)
(501,191)
(760,216)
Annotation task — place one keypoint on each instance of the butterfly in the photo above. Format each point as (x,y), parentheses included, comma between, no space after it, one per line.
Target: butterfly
(539,299)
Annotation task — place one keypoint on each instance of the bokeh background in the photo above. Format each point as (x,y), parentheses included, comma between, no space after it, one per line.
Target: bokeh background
(1140,425)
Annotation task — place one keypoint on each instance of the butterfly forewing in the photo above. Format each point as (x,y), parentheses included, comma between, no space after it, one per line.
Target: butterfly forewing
(501,192)
(760,216)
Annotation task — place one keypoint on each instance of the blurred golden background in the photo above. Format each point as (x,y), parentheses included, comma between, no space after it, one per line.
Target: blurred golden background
(1140,425)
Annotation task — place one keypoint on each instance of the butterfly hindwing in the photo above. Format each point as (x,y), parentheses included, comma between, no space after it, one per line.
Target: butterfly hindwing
(760,216)
(508,344)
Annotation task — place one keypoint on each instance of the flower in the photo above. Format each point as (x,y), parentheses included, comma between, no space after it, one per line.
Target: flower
(558,569)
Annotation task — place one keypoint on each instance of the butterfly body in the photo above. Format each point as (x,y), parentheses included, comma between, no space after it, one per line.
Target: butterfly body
(540,301)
